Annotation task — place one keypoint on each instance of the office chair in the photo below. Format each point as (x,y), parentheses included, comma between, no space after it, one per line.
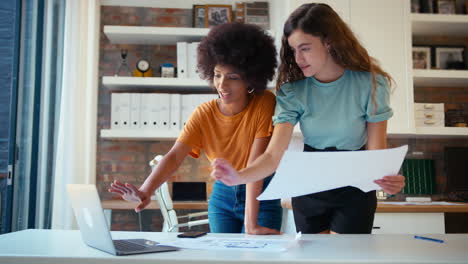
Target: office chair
(171,220)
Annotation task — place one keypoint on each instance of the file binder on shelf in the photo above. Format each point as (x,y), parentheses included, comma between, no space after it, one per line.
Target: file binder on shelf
(153,111)
(175,115)
(135,105)
(182,60)
(192,60)
(115,111)
(420,176)
(186,104)
(124,115)
(164,111)
(145,118)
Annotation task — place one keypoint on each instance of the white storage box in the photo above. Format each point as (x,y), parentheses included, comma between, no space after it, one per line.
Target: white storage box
(429,115)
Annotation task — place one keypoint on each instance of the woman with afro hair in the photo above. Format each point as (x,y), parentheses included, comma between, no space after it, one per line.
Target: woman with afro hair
(238,60)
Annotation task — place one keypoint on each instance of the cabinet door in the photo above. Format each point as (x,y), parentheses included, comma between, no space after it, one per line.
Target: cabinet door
(384,29)
(409,223)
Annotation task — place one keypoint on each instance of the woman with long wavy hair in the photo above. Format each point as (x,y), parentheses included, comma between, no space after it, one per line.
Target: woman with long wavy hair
(340,96)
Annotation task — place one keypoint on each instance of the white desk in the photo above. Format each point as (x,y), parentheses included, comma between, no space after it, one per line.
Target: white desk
(60,246)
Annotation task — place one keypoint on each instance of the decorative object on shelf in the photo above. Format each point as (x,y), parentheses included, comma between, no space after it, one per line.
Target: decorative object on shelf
(415,6)
(421,57)
(381,195)
(420,176)
(199,16)
(455,169)
(167,70)
(456,115)
(427,6)
(429,115)
(218,14)
(450,57)
(446,6)
(143,69)
(257,13)
(123,69)
(240,12)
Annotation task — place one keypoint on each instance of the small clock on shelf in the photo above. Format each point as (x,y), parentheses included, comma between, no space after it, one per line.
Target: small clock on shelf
(143,69)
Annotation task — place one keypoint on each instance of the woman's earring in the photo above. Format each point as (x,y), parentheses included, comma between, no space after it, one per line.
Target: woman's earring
(251,90)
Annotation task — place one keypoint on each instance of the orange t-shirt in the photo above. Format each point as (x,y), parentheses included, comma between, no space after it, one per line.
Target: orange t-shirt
(229,137)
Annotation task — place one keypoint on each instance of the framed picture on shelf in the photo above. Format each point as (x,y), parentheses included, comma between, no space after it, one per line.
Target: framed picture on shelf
(218,14)
(421,57)
(446,6)
(450,57)
(199,16)
(415,6)
(257,13)
(426,6)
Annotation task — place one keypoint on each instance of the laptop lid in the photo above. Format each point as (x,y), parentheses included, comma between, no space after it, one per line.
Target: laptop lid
(93,226)
(189,191)
(90,217)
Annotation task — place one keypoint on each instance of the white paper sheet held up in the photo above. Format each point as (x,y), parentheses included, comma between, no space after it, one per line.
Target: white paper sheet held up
(301,173)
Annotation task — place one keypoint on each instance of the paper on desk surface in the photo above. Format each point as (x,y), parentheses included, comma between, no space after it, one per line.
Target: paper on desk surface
(249,244)
(301,173)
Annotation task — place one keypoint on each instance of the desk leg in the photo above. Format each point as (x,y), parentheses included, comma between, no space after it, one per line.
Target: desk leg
(108,215)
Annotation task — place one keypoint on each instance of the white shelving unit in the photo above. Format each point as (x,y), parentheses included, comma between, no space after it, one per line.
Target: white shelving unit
(442,131)
(144,35)
(421,24)
(141,84)
(158,84)
(147,134)
(440,78)
(432,25)
(432,132)
(139,134)
(438,24)
(153,35)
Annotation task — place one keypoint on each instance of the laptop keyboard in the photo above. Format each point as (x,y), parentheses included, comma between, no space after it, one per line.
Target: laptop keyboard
(123,245)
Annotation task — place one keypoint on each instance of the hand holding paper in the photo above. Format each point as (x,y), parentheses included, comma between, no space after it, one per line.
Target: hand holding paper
(391,184)
(223,171)
(301,173)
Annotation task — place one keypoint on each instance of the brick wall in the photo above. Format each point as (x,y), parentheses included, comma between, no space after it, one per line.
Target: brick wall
(128,160)
(431,148)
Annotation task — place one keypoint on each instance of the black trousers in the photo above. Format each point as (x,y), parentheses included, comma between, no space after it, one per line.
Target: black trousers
(346,210)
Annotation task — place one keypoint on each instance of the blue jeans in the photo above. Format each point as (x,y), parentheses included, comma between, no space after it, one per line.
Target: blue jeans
(226,209)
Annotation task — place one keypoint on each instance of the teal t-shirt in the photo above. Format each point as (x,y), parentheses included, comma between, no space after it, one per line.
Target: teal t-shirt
(334,114)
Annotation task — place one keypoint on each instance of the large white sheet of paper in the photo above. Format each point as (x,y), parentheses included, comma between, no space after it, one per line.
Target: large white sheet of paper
(301,173)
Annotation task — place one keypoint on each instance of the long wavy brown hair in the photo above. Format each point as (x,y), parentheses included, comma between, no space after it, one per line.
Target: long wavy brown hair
(320,20)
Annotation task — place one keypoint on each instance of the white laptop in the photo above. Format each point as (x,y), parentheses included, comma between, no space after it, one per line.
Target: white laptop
(93,226)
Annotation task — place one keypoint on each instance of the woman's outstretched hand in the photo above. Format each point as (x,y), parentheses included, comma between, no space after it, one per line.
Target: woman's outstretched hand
(223,171)
(391,184)
(130,193)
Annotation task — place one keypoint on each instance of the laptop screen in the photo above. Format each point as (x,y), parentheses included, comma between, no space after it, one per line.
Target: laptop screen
(456,168)
(189,191)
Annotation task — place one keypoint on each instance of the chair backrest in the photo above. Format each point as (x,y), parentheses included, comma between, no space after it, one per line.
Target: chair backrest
(165,202)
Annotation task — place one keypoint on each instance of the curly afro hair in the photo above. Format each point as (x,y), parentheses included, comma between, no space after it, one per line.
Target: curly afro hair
(245,47)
